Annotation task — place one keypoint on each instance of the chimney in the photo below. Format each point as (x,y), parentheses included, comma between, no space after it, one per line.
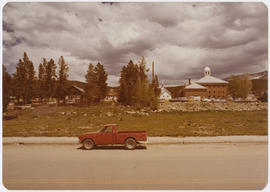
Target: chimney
(189,81)
(153,72)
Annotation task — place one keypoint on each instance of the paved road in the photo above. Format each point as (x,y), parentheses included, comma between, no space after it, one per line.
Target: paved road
(188,166)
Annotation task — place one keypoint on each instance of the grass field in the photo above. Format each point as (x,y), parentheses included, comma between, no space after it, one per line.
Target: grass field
(73,121)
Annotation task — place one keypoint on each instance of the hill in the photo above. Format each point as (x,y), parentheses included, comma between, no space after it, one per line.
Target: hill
(253,76)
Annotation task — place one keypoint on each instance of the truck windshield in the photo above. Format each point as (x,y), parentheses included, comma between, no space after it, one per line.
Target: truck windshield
(100,129)
(106,129)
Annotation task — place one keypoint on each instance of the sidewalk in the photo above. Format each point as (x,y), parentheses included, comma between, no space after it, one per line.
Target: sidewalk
(151,140)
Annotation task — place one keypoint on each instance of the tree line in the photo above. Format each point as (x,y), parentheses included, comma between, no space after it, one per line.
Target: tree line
(25,85)
(52,82)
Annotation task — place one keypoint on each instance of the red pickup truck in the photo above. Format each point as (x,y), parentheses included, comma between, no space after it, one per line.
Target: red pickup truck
(108,135)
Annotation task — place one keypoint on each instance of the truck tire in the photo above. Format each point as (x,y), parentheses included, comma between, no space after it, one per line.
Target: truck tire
(130,144)
(88,144)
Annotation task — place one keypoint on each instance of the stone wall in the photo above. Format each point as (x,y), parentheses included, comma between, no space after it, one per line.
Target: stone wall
(205,106)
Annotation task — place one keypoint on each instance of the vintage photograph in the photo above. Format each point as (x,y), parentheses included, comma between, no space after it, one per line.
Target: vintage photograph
(134,96)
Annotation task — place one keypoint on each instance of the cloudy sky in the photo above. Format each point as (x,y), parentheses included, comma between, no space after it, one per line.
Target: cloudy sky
(181,38)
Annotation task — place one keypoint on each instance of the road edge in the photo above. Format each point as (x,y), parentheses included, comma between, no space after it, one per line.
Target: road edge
(150,141)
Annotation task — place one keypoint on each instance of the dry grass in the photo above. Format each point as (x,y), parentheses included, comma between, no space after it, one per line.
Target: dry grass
(73,121)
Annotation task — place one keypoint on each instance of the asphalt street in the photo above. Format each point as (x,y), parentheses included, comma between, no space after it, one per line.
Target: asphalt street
(187,166)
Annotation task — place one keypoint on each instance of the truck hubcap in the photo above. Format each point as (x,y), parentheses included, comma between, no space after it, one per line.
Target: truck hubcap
(88,144)
(130,144)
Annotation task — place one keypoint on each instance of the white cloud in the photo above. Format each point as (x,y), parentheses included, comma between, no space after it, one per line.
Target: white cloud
(113,80)
(180,37)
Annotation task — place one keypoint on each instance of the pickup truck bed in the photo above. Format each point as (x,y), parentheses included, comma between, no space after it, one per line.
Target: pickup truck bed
(121,136)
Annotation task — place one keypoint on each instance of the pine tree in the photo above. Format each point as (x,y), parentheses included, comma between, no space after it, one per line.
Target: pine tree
(90,88)
(50,77)
(131,79)
(144,96)
(30,71)
(128,79)
(41,80)
(96,78)
(101,81)
(134,87)
(122,92)
(7,88)
(20,81)
(155,86)
(24,79)
(62,78)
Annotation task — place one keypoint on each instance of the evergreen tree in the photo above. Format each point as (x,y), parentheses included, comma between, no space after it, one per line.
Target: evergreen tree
(24,79)
(62,78)
(90,88)
(20,81)
(128,79)
(50,77)
(134,87)
(7,88)
(101,82)
(122,92)
(144,94)
(41,79)
(155,86)
(96,78)
(30,71)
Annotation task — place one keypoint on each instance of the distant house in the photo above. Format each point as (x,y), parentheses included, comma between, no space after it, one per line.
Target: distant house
(164,94)
(111,95)
(75,95)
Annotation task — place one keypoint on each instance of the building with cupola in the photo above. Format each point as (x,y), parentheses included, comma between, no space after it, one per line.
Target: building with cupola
(206,87)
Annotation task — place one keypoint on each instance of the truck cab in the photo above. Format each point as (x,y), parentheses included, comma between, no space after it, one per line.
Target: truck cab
(106,135)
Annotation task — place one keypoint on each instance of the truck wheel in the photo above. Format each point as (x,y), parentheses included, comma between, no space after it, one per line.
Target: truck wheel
(130,144)
(88,144)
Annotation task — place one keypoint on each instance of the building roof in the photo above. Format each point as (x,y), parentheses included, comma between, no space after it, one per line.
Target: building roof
(164,90)
(210,79)
(194,85)
(78,88)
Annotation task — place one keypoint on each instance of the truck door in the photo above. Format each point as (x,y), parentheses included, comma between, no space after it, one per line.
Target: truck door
(106,136)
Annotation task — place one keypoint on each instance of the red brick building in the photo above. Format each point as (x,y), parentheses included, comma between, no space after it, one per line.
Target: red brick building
(207,87)
(194,89)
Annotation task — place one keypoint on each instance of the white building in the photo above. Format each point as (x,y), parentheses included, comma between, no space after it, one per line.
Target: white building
(111,95)
(165,94)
